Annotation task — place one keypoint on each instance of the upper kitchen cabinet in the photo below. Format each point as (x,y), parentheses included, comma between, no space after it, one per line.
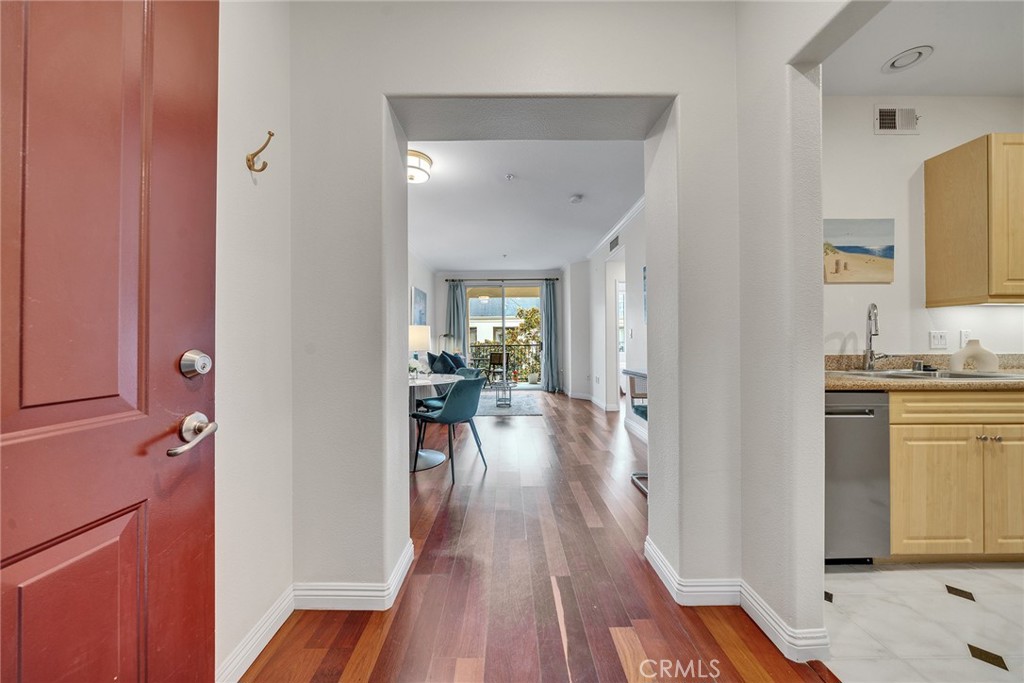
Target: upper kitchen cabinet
(974,222)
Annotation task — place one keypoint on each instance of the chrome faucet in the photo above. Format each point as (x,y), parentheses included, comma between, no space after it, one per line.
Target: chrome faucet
(872,331)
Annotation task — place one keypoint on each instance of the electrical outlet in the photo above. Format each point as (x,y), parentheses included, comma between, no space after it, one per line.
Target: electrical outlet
(965,335)
(937,339)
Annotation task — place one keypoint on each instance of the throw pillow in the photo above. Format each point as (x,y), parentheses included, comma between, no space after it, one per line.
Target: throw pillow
(442,366)
(456,359)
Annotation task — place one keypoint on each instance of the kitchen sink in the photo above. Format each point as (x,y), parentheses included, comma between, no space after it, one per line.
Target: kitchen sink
(934,374)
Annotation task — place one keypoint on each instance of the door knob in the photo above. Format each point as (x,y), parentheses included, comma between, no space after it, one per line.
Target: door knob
(194,428)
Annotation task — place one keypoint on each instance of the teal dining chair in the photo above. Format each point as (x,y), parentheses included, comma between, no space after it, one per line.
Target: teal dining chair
(460,405)
(435,402)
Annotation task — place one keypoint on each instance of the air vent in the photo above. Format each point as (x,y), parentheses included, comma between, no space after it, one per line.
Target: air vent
(896,121)
(614,244)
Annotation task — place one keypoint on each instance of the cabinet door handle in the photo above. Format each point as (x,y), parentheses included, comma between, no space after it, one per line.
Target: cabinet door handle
(981,437)
(997,438)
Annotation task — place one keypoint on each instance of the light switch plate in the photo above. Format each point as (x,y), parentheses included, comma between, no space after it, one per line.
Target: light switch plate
(937,339)
(965,335)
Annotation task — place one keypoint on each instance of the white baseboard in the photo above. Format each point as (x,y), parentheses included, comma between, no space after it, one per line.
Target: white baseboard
(637,426)
(332,596)
(242,657)
(691,592)
(799,645)
(355,596)
(604,406)
(581,397)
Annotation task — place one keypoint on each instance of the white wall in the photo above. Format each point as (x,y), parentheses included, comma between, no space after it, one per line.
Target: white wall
(421,277)
(626,265)
(598,333)
(634,239)
(253,357)
(613,271)
(882,176)
(577,331)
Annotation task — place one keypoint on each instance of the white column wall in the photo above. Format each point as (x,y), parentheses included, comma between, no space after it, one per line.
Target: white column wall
(780,309)
(578,370)
(253,355)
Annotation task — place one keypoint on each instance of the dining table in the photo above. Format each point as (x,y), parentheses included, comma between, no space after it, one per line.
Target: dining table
(423,386)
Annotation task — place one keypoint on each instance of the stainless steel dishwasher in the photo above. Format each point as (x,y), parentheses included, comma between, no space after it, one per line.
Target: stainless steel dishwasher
(856,475)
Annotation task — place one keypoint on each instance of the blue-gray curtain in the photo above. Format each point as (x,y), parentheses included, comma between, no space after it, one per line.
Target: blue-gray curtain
(455,321)
(550,372)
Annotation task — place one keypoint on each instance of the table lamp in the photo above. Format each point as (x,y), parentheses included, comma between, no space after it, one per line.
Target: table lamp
(419,339)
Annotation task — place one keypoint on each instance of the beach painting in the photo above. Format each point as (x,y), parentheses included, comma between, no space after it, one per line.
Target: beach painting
(859,250)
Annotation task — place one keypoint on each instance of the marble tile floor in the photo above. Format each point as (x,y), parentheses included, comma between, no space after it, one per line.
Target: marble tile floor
(946,623)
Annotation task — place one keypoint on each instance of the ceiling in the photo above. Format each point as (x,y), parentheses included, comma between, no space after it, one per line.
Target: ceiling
(468,217)
(979,51)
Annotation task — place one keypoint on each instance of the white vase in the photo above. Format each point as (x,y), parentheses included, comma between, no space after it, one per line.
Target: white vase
(984,360)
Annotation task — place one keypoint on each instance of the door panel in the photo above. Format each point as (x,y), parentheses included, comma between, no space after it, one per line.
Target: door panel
(1006,211)
(108,224)
(73,595)
(1004,489)
(936,489)
(75,278)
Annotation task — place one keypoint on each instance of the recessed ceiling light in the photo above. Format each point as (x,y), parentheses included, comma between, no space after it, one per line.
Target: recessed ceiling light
(907,59)
(509,177)
(576,199)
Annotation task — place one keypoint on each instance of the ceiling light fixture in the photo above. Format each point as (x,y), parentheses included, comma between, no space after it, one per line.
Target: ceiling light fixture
(576,199)
(907,59)
(418,167)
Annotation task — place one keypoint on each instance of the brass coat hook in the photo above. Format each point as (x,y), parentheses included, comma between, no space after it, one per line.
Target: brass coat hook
(250,159)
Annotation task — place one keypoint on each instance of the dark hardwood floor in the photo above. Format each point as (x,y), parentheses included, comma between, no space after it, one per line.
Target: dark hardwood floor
(531,571)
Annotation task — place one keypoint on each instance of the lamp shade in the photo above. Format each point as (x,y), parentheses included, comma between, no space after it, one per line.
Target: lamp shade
(419,338)
(418,166)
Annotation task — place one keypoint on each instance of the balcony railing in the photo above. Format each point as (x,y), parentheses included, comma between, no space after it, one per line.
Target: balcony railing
(523,359)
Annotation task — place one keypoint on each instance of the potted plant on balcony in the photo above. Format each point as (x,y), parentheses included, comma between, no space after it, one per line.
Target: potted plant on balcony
(531,366)
(526,338)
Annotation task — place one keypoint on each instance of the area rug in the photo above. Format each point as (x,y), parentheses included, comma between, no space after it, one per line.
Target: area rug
(523,403)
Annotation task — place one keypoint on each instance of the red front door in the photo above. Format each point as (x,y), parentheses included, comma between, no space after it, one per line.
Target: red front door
(107,184)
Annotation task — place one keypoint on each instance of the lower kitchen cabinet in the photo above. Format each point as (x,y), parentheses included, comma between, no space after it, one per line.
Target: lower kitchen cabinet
(937,490)
(957,486)
(1004,489)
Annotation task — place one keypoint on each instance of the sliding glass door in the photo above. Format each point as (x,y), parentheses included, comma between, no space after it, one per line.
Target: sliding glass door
(504,331)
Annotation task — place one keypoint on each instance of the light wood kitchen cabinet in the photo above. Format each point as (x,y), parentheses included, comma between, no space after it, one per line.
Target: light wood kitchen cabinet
(957,472)
(1004,489)
(937,490)
(974,222)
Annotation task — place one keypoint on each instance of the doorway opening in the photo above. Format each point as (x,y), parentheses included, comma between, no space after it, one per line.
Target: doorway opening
(504,326)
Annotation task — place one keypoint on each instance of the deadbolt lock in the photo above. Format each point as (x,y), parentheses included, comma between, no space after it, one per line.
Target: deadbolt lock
(195,362)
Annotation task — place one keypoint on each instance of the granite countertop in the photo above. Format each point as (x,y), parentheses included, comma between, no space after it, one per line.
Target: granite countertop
(837,377)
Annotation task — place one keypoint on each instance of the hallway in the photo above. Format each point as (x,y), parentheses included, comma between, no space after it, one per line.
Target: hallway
(531,571)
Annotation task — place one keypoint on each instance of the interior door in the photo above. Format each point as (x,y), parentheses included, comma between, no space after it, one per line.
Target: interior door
(109,125)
